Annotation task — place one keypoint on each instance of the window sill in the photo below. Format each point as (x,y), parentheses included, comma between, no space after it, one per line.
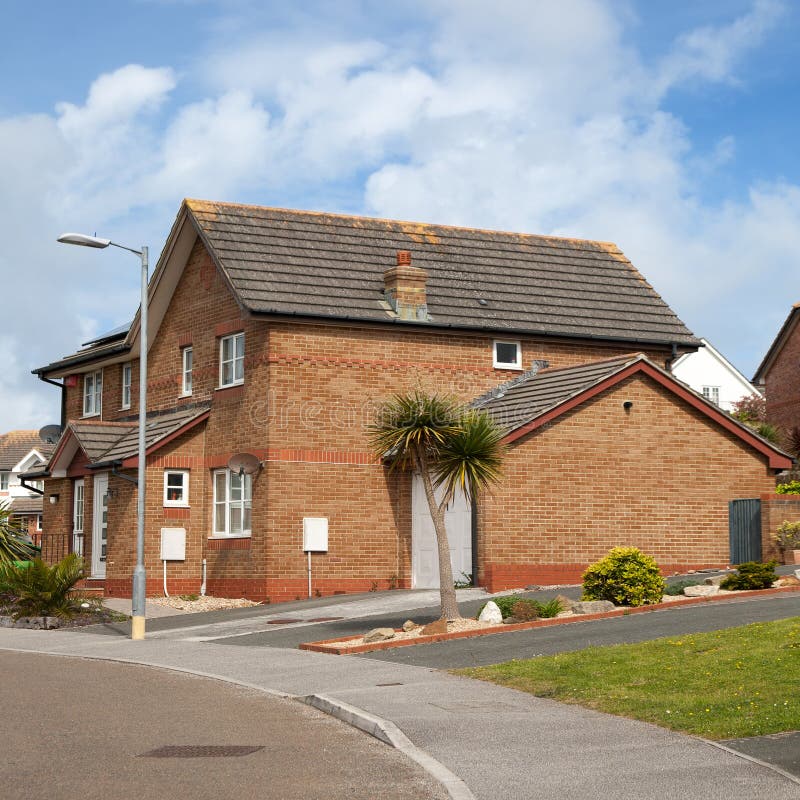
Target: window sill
(511,367)
(229,386)
(176,505)
(124,408)
(89,416)
(184,394)
(222,537)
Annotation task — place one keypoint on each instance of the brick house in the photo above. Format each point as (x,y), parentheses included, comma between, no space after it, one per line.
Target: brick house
(778,374)
(21,451)
(277,333)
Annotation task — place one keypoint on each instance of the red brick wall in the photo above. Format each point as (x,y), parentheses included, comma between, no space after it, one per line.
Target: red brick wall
(658,477)
(783,384)
(775,509)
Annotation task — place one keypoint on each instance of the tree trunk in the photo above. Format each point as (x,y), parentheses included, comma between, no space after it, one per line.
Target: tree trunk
(447,591)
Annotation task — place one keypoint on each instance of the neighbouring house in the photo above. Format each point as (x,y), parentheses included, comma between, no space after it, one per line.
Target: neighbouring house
(708,372)
(779,376)
(277,333)
(21,451)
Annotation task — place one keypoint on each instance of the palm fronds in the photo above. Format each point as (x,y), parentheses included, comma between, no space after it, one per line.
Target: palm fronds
(13,546)
(37,590)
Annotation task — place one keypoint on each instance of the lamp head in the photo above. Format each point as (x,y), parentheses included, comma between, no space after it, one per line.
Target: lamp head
(83,240)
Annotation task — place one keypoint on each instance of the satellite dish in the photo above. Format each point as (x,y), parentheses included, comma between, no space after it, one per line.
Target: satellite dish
(50,434)
(244,463)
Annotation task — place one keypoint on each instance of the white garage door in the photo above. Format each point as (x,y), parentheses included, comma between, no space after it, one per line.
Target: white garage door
(424,554)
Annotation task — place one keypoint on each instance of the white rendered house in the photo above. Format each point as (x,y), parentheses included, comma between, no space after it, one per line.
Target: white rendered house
(709,373)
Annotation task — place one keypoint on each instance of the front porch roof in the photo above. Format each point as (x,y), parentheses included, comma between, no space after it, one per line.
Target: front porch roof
(117,443)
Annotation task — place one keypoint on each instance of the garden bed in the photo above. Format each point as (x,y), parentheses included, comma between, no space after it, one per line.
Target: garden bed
(350,645)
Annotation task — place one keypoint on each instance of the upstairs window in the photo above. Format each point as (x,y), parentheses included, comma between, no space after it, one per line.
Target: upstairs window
(187,358)
(4,481)
(92,393)
(231,360)
(507,355)
(126,385)
(711,393)
(233,494)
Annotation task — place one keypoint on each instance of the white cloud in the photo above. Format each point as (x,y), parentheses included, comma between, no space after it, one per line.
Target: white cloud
(540,116)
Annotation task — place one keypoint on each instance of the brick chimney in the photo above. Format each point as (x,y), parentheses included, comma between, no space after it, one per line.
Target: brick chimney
(404,288)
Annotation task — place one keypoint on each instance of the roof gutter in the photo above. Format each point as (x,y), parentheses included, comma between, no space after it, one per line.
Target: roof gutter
(473,328)
(78,360)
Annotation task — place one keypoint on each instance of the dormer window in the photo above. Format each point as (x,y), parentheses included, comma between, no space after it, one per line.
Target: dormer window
(92,393)
(507,355)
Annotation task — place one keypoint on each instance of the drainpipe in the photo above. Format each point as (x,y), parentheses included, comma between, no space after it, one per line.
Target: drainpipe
(671,360)
(33,489)
(63,398)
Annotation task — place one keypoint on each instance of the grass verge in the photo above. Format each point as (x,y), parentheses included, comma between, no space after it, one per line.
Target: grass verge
(720,685)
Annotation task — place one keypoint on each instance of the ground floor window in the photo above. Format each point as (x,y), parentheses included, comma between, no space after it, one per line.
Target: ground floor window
(176,487)
(232,503)
(77,518)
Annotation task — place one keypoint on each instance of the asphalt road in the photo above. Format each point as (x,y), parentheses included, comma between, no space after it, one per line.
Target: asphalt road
(89,729)
(483,650)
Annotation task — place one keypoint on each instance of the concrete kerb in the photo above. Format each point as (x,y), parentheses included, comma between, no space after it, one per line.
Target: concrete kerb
(389,733)
(753,759)
(380,729)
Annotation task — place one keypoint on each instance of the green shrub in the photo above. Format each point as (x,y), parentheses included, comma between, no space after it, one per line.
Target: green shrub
(550,608)
(751,575)
(507,603)
(39,590)
(626,577)
(792,487)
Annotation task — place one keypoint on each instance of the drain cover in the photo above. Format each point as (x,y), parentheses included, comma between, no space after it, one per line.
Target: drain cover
(202,751)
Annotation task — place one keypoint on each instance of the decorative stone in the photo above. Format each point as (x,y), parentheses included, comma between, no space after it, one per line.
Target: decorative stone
(491,614)
(437,626)
(797,573)
(379,635)
(715,581)
(701,591)
(592,606)
(410,625)
(566,602)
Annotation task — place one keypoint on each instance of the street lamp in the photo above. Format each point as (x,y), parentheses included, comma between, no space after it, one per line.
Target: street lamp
(138,594)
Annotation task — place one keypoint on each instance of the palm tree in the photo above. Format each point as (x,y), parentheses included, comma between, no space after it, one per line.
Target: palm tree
(450,447)
(13,546)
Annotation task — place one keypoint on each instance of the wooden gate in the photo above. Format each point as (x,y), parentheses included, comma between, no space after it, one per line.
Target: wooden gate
(744,525)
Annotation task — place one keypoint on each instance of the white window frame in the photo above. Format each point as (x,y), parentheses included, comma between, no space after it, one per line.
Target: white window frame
(711,393)
(187,354)
(245,503)
(184,501)
(506,364)
(5,480)
(38,522)
(78,511)
(95,405)
(235,360)
(127,370)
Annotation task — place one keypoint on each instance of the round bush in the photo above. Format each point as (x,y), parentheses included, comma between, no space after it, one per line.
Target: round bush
(626,577)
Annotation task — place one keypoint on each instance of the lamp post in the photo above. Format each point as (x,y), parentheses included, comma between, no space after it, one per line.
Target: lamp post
(138,594)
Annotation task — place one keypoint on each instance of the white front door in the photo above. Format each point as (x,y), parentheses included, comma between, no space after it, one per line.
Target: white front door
(100,525)
(424,553)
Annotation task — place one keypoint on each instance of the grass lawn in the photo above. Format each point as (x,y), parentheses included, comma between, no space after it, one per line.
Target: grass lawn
(730,683)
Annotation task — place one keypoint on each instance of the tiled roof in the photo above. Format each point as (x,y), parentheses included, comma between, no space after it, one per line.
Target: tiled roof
(535,393)
(159,426)
(15,445)
(325,265)
(26,505)
(96,438)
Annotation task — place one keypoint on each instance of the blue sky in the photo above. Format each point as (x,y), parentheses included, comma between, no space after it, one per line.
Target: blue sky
(667,127)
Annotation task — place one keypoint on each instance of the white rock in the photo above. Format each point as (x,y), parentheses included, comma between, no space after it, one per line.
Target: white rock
(797,573)
(491,613)
(701,591)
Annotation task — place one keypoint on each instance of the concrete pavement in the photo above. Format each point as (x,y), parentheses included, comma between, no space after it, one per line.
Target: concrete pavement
(499,742)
